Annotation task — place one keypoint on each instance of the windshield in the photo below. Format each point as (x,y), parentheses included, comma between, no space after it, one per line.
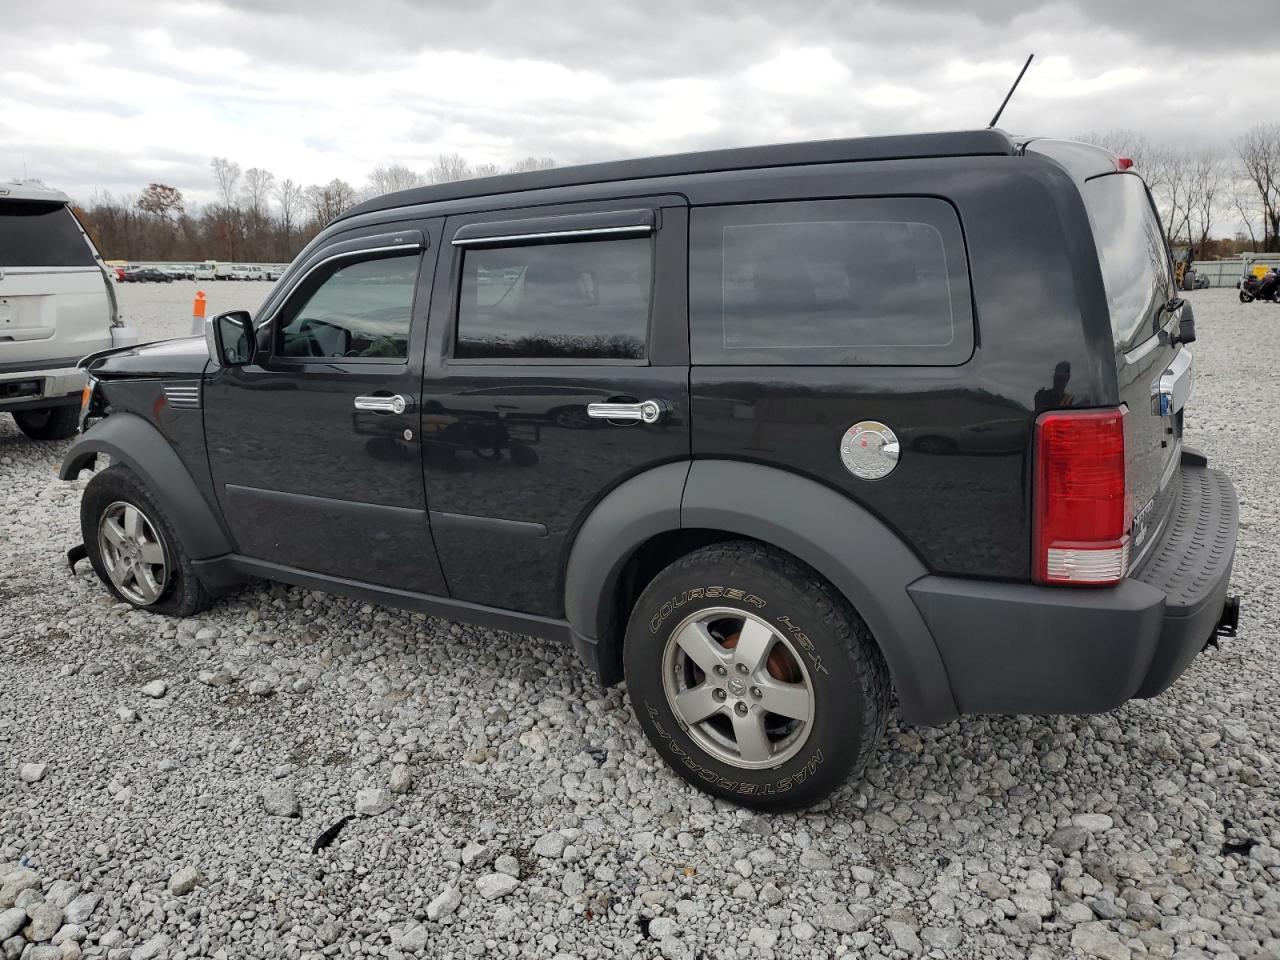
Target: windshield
(37,233)
(1132,253)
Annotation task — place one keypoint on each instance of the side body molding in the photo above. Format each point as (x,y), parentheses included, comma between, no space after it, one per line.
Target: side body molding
(128,438)
(861,557)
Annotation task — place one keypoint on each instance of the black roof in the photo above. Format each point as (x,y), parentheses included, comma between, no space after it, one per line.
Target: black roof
(964,143)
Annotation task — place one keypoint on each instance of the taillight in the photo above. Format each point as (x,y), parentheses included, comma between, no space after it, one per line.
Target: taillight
(1124,163)
(1081,523)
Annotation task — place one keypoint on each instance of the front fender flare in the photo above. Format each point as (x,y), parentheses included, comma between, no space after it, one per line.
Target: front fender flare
(129,439)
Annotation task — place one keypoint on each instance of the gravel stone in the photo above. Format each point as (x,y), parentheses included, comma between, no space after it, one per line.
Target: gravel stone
(33,772)
(401,781)
(184,881)
(446,901)
(155,690)
(279,800)
(46,920)
(1116,821)
(492,886)
(373,801)
(11,921)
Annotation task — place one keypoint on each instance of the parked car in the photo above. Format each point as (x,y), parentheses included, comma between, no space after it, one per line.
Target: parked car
(205,271)
(885,419)
(146,275)
(57,304)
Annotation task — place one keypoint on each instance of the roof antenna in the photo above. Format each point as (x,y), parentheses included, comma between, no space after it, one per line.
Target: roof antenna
(1004,103)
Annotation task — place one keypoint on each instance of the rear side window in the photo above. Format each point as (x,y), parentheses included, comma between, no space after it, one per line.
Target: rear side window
(1132,254)
(827,282)
(585,300)
(36,233)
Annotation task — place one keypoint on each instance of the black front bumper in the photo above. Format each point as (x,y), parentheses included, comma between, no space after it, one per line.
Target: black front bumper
(1018,648)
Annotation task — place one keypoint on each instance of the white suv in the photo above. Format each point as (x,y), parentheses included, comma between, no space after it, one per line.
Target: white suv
(57,305)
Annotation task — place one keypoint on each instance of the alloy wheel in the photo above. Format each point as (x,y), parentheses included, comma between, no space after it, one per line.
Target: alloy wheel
(132,553)
(739,688)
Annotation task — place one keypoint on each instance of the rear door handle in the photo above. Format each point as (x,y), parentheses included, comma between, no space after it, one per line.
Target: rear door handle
(398,403)
(646,411)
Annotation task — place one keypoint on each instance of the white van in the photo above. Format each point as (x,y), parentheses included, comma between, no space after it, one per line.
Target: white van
(57,305)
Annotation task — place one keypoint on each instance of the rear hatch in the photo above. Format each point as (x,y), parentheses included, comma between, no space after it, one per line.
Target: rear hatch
(1139,284)
(55,302)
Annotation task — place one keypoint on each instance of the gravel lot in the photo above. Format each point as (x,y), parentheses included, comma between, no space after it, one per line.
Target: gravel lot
(163,782)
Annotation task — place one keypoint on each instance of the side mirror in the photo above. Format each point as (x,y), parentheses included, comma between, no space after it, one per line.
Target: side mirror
(231,338)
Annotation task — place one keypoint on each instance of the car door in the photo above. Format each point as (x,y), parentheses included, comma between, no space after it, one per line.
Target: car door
(313,447)
(550,313)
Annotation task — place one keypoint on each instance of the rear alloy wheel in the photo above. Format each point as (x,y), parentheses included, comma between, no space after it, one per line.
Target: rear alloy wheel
(753,677)
(49,423)
(739,688)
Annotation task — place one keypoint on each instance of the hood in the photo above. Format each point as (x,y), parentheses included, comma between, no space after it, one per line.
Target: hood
(186,357)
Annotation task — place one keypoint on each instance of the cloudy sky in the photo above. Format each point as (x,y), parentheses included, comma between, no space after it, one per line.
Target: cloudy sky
(111,96)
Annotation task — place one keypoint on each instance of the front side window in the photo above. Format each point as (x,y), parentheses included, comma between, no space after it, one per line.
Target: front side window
(583,300)
(38,233)
(829,282)
(356,310)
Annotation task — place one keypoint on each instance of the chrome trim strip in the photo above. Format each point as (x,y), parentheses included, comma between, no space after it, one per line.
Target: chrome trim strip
(636,229)
(341,255)
(1172,389)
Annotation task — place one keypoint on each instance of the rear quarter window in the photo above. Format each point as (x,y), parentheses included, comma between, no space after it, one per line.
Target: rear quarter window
(36,233)
(1132,255)
(829,282)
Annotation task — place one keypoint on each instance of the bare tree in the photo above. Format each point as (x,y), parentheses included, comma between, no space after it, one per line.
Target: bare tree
(161,200)
(388,179)
(449,167)
(227,174)
(1206,173)
(486,170)
(328,200)
(1243,204)
(1259,152)
(533,163)
(258,184)
(288,194)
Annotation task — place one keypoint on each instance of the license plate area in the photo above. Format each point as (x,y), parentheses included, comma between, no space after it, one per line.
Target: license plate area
(18,389)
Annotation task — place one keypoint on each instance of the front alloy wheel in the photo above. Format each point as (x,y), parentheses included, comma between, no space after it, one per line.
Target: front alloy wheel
(132,554)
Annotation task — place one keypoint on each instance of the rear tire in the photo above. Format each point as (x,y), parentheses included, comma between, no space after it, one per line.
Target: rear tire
(1244,297)
(757,629)
(149,570)
(49,423)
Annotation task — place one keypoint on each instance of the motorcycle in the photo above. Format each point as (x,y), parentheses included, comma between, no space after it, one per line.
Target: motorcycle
(1266,287)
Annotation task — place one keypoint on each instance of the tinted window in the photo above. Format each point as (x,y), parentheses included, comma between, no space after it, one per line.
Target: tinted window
(556,301)
(40,234)
(359,310)
(1132,253)
(829,282)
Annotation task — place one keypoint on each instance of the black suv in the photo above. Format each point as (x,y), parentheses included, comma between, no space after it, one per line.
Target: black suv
(777,434)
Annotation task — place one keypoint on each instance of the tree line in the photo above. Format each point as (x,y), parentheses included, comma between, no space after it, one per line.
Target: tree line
(1198,187)
(255,217)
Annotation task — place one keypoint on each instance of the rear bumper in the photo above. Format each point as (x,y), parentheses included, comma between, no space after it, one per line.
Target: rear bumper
(42,386)
(1018,648)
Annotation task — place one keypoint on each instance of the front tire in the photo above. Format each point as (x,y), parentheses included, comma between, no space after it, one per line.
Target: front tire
(754,678)
(1244,297)
(49,423)
(133,547)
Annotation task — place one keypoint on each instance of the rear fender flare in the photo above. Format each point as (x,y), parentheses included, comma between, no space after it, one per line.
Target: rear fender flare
(129,439)
(861,557)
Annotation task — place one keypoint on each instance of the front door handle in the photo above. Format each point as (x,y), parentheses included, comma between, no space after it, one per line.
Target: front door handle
(397,403)
(646,411)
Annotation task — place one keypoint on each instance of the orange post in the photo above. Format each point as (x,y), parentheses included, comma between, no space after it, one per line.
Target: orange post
(197,313)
